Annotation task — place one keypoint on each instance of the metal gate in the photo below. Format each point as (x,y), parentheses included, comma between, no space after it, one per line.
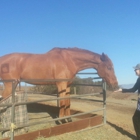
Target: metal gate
(14,126)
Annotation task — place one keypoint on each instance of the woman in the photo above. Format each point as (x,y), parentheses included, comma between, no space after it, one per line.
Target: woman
(136,87)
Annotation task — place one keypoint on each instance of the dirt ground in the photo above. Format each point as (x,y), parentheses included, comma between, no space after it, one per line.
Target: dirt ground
(120,108)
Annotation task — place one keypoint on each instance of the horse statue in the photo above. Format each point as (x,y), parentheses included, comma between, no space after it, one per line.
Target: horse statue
(58,63)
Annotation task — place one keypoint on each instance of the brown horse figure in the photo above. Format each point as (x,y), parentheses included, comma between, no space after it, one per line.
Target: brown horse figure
(59,63)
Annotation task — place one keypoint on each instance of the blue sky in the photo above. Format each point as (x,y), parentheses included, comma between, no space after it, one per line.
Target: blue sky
(109,26)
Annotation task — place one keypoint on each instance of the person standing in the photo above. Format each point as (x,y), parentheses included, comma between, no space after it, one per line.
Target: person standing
(136,87)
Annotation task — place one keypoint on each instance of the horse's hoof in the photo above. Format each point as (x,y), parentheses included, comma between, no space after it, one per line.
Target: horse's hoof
(69,119)
(63,121)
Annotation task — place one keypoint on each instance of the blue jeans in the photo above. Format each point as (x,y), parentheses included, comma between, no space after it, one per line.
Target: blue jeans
(136,123)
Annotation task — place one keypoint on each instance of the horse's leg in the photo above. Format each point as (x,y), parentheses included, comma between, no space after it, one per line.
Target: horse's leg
(62,92)
(67,104)
(8,89)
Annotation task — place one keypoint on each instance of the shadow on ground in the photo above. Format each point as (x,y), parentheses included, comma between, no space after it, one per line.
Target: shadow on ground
(53,111)
(121,130)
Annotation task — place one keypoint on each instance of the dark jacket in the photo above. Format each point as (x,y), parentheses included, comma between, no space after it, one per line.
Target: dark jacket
(134,88)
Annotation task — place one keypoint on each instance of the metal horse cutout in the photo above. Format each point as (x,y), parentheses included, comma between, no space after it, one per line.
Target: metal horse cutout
(58,63)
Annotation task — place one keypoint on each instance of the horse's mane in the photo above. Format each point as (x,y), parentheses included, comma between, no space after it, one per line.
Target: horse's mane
(75,49)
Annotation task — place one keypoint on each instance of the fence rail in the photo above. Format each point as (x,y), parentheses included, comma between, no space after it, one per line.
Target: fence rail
(13,104)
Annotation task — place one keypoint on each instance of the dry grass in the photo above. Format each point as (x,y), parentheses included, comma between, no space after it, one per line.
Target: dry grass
(106,132)
(120,109)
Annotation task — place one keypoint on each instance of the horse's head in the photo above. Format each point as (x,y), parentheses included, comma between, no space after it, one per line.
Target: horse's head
(106,71)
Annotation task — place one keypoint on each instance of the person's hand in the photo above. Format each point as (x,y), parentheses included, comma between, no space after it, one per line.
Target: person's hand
(119,90)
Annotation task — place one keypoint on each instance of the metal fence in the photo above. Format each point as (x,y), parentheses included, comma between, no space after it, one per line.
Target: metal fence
(14,104)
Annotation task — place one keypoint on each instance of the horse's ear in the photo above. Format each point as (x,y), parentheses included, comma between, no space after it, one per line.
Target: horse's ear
(103,57)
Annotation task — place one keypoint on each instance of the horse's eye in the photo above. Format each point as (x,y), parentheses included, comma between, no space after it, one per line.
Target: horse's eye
(109,67)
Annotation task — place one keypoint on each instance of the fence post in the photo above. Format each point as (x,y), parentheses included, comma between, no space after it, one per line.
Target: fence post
(58,100)
(74,88)
(25,87)
(104,101)
(13,110)
(19,86)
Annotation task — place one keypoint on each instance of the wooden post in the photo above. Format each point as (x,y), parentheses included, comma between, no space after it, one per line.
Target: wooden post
(74,90)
